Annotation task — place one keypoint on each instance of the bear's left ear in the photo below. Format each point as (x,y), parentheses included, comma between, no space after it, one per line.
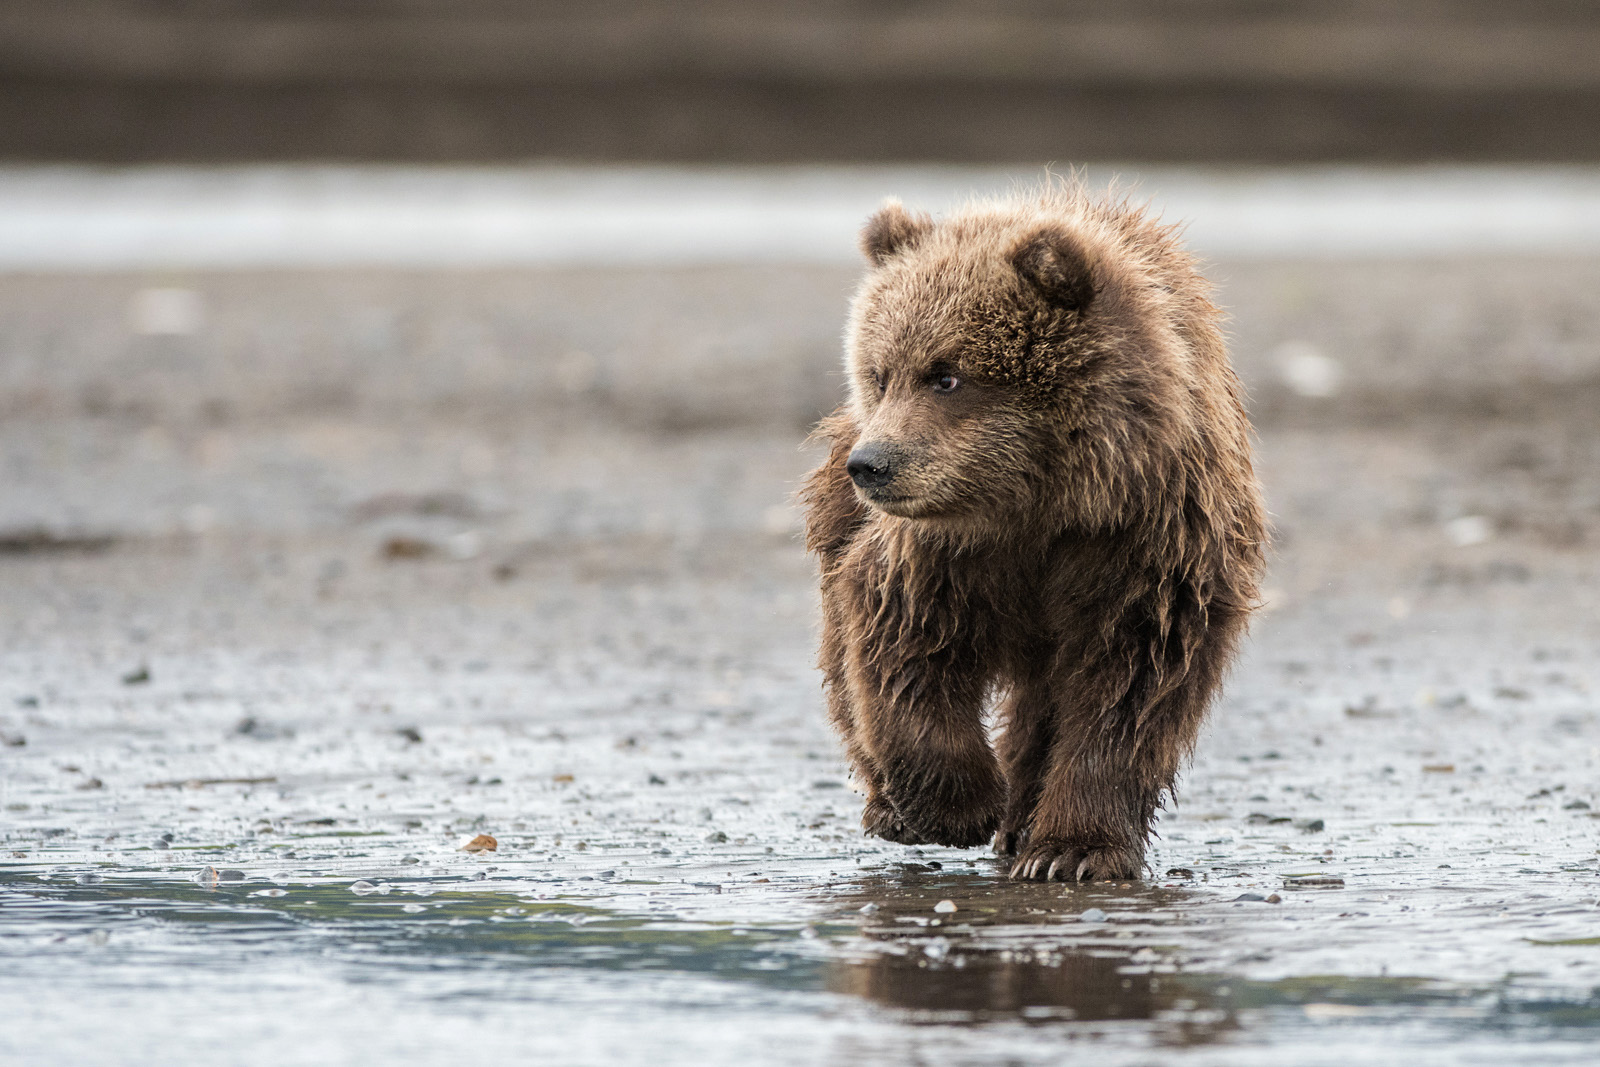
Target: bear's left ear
(891,229)
(1059,266)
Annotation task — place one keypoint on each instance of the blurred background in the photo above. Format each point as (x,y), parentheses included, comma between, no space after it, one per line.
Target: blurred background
(399,406)
(845,81)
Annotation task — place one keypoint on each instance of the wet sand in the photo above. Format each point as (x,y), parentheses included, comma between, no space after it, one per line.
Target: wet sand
(369,564)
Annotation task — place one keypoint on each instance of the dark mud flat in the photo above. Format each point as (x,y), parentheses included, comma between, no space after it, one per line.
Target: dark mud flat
(266,670)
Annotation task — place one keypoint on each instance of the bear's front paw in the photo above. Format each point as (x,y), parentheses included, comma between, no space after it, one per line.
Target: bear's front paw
(1062,861)
(957,822)
(880,819)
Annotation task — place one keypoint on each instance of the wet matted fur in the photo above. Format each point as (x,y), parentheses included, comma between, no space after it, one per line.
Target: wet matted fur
(1038,491)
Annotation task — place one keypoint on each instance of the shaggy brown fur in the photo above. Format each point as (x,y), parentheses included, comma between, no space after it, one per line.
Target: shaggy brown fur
(1039,490)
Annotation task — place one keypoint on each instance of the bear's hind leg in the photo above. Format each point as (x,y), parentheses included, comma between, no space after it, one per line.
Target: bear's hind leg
(1024,750)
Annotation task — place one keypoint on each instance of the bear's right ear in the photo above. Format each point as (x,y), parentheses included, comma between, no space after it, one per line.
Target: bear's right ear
(892,229)
(1060,267)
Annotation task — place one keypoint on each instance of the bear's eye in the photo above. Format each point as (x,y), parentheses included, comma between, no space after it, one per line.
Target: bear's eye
(878,383)
(946,383)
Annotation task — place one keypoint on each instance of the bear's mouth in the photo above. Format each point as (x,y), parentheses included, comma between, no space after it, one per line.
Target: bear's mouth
(896,504)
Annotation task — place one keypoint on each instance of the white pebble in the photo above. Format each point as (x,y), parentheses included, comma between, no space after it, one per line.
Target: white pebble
(945,907)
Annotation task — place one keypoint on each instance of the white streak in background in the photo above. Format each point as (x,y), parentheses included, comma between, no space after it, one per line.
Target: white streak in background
(70,218)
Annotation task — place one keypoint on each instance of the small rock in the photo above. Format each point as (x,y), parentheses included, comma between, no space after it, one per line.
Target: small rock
(362,887)
(13,740)
(409,860)
(95,783)
(138,676)
(1309,826)
(1313,881)
(206,876)
(411,734)
(716,837)
(273,892)
(1571,805)
(481,843)
(1273,898)
(868,909)
(1259,818)
(945,907)
(1093,915)
(1249,897)
(88,879)
(231,876)
(401,547)
(1181,872)
(656,779)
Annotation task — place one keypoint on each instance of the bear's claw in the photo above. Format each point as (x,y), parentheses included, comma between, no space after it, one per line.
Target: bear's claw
(1056,861)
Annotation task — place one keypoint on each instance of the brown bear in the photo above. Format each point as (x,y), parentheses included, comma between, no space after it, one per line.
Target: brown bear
(1039,494)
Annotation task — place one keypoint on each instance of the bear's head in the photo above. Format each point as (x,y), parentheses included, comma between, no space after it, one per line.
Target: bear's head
(1004,360)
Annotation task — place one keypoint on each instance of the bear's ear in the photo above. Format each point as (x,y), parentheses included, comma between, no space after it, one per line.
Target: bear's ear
(1059,266)
(892,229)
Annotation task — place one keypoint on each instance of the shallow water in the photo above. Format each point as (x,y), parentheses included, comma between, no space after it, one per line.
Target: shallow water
(256,854)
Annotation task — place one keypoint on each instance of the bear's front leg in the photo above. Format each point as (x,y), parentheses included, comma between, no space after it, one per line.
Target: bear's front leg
(920,718)
(1082,793)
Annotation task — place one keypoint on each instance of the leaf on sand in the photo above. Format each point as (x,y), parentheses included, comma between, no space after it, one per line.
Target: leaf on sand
(1568,941)
(481,843)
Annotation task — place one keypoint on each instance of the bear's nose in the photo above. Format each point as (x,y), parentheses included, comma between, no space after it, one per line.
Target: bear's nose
(870,466)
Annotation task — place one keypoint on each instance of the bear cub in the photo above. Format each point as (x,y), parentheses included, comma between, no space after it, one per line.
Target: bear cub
(1038,496)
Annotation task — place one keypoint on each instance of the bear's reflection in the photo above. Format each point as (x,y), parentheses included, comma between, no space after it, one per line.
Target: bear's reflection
(1009,949)
(986,983)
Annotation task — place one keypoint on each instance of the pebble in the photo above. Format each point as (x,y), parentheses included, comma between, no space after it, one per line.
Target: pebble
(1181,872)
(716,837)
(868,909)
(1313,881)
(1092,915)
(1249,897)
(274,892)
(362,887)
(945,907)
(1309,826)
(88,879)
